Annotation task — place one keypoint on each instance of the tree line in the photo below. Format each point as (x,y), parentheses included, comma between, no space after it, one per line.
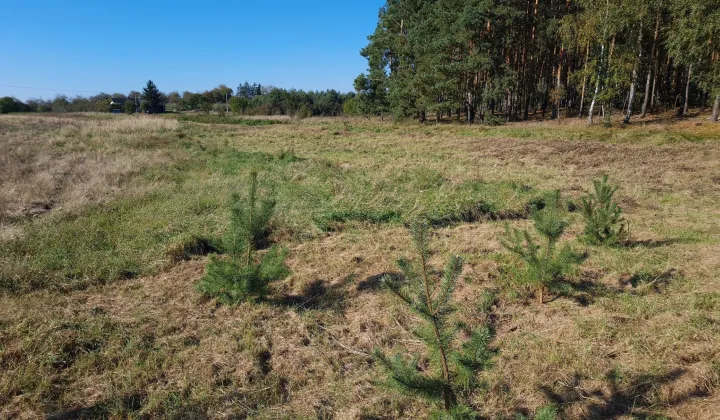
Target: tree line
(251,99)
(570,58)
(256,99)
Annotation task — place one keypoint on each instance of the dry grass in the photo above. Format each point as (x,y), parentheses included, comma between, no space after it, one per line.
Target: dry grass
(151,346)
(60,162)
(101,123)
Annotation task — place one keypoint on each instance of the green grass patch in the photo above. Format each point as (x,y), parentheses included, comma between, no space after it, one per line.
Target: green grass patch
(121,239)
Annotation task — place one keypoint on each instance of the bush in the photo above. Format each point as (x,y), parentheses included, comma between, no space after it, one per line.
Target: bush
(351,107)
(129,107)
(604,224)
(206,107)
(545,265)
(9,104)
(453,368)
(493,120)
(102,106)
(303,112)
(239,105)
(243,276)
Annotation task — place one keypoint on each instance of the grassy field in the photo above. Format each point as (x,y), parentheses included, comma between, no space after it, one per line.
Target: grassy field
(106,223)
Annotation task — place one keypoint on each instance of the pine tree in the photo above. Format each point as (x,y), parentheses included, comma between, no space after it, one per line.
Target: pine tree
(152,96)
(244,276)
(487,57)
(452,369)
(604,223)
(545,265)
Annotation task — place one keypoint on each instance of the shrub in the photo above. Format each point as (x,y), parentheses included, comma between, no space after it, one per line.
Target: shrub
(452,368)
(351,107)
(206,107)
(129,107)
(9,104)
(604,223)
(244,276)
(303,112)
(545,265)
(493,120)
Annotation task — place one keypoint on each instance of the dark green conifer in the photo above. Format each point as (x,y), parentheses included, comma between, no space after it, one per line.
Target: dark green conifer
(545,265)
(152,96)
(452,368)
(244,276)
(604,223)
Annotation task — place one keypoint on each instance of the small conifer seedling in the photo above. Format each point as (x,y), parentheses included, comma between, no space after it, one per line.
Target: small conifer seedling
(452,367)
(604,223)
(244,276)
(544,263)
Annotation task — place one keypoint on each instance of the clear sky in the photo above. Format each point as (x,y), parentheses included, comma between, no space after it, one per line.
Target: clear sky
(87,47)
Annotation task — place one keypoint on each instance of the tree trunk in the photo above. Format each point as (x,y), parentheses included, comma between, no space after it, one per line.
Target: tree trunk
(716,109)
(646,99)
(584,82)
(687,91)
(654,92)
(592,104)
(602,54)
(634,77)
(526,108)
(470,113)
(597,88)
(558,85)
(541,292)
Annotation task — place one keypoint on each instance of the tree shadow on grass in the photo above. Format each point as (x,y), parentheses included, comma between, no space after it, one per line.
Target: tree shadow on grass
(375,282)
(636,396)
(101,409)
(318,295)
(585,291)
(650,243)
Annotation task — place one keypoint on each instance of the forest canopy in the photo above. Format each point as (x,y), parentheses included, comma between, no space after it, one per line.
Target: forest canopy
(513,58)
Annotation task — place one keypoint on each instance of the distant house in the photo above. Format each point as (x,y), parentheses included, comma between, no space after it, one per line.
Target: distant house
(117,101)
(117,104)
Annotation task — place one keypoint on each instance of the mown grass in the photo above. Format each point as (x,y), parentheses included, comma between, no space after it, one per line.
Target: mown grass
(129,236)
(221,119)
(100,316)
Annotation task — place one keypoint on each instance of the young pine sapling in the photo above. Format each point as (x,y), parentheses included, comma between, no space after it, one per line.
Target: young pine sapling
(244,276)
(545,264)
(604,223)
(452,368)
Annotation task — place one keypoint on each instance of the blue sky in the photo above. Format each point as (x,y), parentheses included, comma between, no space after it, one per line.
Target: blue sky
(86,47)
